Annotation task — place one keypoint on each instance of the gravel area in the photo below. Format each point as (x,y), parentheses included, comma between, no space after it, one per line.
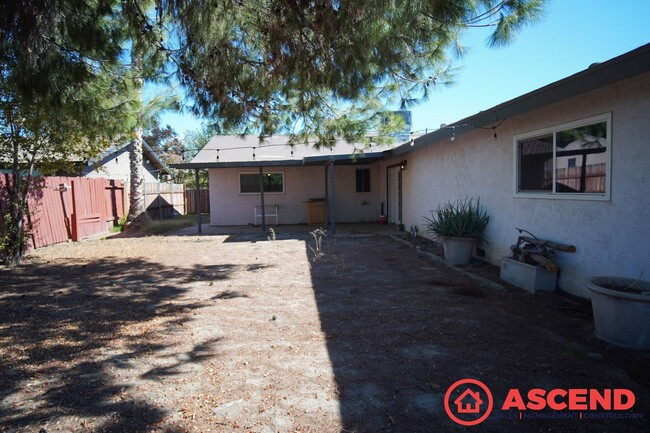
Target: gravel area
(239,333)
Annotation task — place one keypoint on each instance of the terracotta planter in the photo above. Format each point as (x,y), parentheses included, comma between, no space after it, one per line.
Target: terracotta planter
(621,318)
(458,251)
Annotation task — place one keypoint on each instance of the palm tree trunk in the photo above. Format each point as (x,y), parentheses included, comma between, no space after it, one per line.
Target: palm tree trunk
(136,188)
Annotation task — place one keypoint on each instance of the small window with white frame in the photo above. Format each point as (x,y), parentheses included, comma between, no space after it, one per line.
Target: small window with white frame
(249,183)
(572,160)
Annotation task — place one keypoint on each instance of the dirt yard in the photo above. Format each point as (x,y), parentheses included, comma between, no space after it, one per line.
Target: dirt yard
(243,334)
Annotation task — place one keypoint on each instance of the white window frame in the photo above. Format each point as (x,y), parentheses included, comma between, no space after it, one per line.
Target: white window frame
(284,187)
(607,117)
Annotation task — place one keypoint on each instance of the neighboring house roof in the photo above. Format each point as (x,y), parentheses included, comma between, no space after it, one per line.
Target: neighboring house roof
(249,151)
(598,75)
(147,152)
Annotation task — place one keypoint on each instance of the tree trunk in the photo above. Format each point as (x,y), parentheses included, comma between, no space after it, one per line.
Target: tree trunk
(137,210)
(14,237)
(136,202)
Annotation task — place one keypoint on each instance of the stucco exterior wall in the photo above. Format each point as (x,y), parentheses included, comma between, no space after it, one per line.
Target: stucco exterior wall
(611,236)
(229,207)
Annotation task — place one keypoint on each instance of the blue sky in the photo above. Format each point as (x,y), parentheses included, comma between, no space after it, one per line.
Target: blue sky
(573,35)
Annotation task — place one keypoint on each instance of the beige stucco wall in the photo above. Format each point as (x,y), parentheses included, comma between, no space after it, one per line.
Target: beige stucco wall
(229,207)
(611,237)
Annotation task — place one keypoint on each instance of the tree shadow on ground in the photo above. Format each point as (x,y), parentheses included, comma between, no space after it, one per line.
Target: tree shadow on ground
(67,328)
(402,329)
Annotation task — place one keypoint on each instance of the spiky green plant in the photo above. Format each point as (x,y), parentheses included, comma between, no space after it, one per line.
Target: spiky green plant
(462,218)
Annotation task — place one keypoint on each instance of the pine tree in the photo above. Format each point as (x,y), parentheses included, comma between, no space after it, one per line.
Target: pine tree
(325,67)
(61,95)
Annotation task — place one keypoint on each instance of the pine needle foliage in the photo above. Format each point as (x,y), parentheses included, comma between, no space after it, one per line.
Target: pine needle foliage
(325,67)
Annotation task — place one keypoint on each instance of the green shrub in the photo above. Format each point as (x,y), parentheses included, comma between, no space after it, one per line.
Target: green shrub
(462,218)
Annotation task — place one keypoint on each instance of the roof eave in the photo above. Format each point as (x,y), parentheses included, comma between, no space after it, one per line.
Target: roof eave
(619,68)
(361,158)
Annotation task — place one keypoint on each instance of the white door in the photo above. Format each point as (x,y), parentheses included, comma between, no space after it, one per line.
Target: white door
(393,195)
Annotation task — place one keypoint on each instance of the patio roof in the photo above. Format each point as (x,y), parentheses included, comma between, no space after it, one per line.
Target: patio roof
(249,151)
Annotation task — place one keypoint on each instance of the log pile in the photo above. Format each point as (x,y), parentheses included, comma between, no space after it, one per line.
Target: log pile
(535,251)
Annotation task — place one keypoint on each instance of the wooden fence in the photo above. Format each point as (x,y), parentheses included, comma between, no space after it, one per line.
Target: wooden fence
(164,200)
(190,201)
(593,179)
(71,208)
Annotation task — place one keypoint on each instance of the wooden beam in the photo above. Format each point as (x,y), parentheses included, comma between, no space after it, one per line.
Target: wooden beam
(549,244)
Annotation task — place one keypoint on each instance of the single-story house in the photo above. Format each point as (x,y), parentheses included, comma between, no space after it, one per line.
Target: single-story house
(568,162)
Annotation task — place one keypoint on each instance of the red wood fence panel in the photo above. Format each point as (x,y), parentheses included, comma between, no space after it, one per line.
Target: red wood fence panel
(90,210)
(50,211)
(114,196)
(70,208)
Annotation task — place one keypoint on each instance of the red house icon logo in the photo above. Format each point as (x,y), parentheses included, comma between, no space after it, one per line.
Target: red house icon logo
(468,402)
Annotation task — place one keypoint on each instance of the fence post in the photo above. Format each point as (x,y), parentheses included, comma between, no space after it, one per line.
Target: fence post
(75,219)
(144,197)
(171,199)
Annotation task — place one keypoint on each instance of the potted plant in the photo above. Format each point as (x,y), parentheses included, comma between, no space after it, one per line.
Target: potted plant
(621,308)
(459,224)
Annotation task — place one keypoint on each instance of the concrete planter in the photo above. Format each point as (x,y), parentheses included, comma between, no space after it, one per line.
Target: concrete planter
(458,251)
(528,277)
(621,318)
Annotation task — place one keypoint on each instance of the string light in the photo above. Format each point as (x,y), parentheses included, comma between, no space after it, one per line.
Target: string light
(460,125)
(412,137)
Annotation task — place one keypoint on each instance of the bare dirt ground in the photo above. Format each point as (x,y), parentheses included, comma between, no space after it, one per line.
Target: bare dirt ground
(242,334)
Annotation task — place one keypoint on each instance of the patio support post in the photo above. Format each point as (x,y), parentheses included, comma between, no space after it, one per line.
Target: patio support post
(197,195)
(332,214)
(327,198)
(262,199)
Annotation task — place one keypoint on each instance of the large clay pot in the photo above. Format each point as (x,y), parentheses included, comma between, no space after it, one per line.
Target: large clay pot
(621,317)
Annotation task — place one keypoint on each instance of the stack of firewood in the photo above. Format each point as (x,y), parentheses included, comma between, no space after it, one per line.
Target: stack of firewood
(536,251)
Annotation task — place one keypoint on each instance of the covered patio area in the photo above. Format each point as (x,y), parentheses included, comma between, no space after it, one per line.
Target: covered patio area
(268,181)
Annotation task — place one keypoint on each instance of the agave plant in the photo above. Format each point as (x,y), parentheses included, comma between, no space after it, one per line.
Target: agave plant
(463,218)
